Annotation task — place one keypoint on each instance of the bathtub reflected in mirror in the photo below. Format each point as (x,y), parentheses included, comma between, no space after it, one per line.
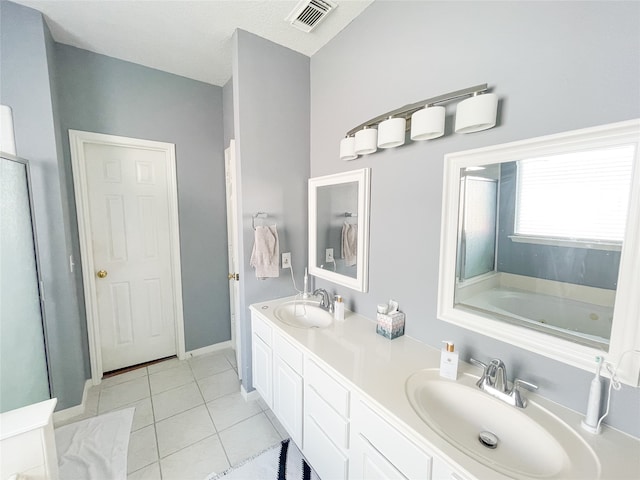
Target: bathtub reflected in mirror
(539,242)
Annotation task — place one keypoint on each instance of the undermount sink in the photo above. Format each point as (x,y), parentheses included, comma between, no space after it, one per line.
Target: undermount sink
(520,443)
(303,314)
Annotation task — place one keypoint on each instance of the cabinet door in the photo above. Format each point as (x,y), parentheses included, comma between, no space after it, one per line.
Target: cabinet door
(287,398)
(262,369)
(372,465)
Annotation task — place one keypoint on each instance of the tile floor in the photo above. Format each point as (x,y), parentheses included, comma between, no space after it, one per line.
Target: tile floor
(190,418)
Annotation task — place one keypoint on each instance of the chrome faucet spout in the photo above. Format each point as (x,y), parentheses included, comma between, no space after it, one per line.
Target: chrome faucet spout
(494,381)
(325,299)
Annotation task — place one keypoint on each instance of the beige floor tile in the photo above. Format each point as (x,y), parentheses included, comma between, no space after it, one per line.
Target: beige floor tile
(276,424)
(171,402)
(123,394)
(248,438)
(164,365)
(195,462)
(207,365)
(231,409)
(143,449)
(123,377)
(150,472)
(184,429)
(171,378)
(219,385)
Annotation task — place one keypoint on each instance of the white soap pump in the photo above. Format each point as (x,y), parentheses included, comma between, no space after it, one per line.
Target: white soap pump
(591,421)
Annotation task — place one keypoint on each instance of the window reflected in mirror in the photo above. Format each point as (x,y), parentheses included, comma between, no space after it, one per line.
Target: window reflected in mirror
(540,240)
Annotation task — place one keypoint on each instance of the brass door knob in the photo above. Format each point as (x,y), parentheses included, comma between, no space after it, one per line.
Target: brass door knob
(102,273)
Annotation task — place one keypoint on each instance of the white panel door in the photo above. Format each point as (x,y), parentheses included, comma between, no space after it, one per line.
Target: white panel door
(130,230)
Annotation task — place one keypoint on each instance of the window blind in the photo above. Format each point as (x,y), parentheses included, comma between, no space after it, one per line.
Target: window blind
(579,195)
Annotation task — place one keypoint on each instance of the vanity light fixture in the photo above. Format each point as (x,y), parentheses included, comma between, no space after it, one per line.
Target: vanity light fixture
(348,148)
(425,120)
(391,132)
(428,123)
(476,113)
(366,140)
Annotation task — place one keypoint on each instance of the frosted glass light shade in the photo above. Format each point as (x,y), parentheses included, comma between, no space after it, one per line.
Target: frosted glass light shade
(477,113)
(366,141)
(7,135)
(427,123)
(391,132)
(347,148)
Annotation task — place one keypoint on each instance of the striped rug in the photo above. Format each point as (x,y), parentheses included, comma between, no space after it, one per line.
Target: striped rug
(282,462)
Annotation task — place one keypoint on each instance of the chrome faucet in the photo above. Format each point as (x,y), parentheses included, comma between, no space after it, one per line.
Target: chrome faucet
(494,382)
(325,300)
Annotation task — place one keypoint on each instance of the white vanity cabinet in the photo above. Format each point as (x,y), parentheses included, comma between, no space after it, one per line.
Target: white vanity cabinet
(326,422)
(261,358)
(381,451)
(277,375)
(287,386)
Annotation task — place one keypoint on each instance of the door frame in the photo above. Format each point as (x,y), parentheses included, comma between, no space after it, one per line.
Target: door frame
(231,170)
(77,140)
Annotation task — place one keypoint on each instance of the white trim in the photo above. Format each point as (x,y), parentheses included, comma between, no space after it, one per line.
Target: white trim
(216,347)
(625,334)
(251,396)
(566,242)
(67,413)
(77,140)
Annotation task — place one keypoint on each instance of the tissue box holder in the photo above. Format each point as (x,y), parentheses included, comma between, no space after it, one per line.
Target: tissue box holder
(390,325)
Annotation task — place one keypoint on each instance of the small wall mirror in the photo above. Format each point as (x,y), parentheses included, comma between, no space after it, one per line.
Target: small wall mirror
(540,243)
(339,228)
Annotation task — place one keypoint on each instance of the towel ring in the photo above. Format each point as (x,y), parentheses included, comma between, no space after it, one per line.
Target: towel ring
(257,215)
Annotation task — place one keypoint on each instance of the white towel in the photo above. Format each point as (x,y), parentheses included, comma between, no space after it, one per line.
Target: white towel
(266,252)
(349,243)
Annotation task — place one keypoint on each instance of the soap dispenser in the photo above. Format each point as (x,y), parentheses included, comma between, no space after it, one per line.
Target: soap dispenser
(449,362)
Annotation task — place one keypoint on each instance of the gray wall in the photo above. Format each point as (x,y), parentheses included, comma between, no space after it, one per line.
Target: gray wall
(105,95)
(27,85)
(556,66)
(271,124)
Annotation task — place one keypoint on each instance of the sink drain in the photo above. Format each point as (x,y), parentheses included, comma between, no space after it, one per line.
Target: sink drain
(488,439)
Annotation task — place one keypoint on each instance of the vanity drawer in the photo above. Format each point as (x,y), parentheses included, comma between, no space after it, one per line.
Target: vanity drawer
(329,389)
(261,328)
(287,352)
(401,452)
(327,460)
(333,425)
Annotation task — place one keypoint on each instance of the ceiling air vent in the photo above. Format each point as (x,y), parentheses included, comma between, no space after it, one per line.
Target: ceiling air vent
(309,13)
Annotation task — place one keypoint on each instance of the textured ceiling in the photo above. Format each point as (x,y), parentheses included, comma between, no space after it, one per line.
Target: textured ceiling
(184,37)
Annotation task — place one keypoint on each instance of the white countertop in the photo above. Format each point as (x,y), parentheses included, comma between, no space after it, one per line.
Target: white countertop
(379,369)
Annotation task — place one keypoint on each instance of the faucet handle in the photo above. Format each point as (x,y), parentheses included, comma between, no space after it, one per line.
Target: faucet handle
(484,367)
(521,402)
(478,363)
(521,383)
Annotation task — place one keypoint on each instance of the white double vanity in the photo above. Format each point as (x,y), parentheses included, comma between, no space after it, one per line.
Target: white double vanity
(344,394)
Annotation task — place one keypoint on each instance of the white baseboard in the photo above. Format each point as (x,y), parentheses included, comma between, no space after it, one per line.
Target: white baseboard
(67,413)
(249,396)
(209,349)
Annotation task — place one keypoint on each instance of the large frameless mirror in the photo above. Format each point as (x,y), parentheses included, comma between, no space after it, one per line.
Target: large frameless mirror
(339,228)
(540,244)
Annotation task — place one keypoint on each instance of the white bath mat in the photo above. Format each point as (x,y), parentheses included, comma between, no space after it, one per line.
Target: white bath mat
(282,462)
(96,448)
